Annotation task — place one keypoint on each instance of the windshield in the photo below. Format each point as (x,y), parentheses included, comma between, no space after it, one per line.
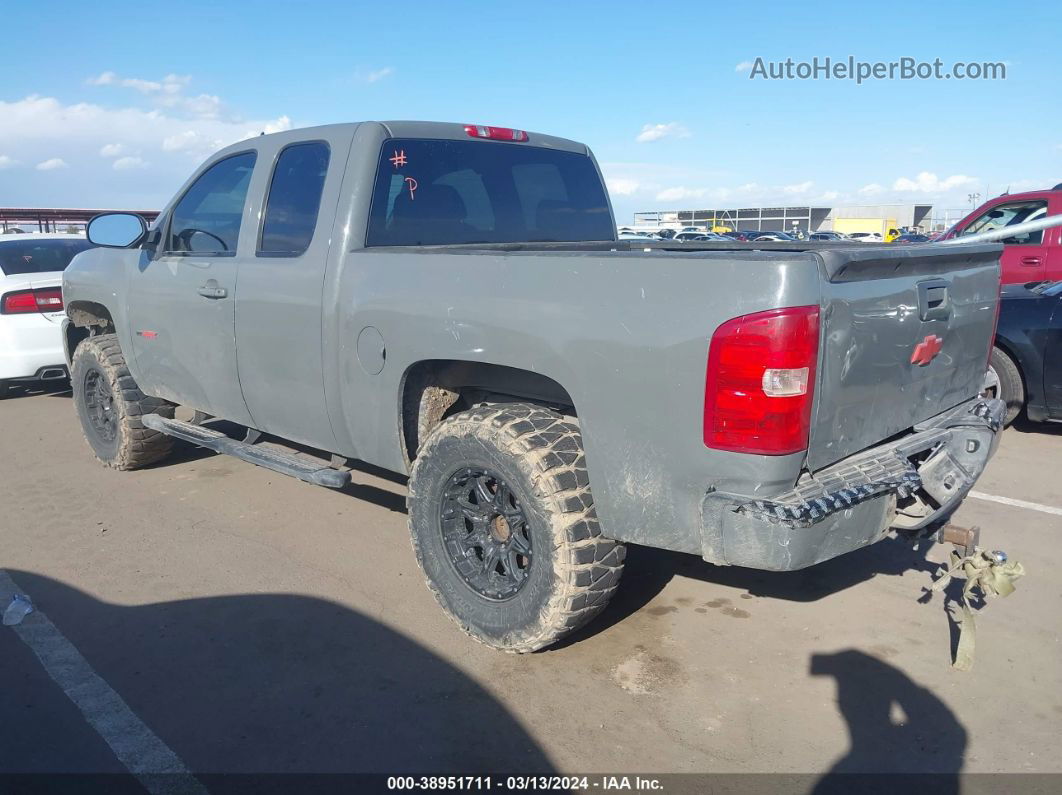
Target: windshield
(39,256)
(432,192)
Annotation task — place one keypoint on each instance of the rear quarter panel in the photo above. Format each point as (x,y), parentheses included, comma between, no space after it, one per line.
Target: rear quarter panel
(626,334)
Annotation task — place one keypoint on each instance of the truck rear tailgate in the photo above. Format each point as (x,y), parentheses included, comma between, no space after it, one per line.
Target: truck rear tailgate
(881,308)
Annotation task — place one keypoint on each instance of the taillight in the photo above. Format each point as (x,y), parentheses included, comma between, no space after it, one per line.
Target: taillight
(761,382)
(495,133)
(49,299)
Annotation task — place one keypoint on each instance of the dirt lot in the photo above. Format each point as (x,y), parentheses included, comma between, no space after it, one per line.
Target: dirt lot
(254,623)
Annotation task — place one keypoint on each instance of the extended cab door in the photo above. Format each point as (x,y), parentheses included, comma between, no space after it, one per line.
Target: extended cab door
(1025,257)
(181,301)
(279,301)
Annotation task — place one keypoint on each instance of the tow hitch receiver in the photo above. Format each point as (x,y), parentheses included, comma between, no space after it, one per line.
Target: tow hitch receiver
(986,574)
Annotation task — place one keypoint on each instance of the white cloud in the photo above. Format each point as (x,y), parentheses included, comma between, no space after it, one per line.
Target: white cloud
(680,193)
(621,186)
(744,66)
(36,129)
(797,189)
(654,132)
(7,162)
(928,182)
(51,164)
(103,79)
(166,93)
(873,189)
(170,84)
(829,195)
(127,163)
(374,75)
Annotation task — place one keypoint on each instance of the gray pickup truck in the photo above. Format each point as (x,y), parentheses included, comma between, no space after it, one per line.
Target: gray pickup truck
(450,302)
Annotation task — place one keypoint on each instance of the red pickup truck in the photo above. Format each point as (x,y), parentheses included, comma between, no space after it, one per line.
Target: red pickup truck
(1032,257)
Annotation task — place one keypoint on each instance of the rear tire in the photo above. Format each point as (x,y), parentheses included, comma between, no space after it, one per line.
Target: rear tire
(1003,381)
(110,406)
(5,388)
(503,525)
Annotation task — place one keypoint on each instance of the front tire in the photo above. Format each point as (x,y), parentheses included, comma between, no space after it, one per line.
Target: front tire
(1003,381)
(503,525)
(110,404)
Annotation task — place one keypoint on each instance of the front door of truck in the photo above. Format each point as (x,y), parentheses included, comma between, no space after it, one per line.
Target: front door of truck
(181,302)
(1025,257)
(279,301)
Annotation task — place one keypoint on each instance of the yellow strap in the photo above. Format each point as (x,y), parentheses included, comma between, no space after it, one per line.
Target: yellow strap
(983,571)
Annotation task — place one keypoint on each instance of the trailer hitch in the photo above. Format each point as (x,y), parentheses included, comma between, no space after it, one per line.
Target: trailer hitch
(964,538)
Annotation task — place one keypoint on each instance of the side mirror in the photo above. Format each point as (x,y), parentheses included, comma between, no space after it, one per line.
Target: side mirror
(116,230)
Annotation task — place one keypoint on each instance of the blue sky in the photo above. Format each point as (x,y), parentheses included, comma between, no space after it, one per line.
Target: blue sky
(115,107)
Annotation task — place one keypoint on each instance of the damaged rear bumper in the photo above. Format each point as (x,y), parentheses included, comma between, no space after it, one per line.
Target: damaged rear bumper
(907,483)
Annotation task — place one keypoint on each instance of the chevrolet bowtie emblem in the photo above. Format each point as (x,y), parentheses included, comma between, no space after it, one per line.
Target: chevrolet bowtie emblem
(926,350)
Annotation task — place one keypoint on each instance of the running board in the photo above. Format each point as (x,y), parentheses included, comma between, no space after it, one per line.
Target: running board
(285,463)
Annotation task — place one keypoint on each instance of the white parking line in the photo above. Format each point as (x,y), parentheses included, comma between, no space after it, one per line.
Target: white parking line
(144,755)
(1032,506)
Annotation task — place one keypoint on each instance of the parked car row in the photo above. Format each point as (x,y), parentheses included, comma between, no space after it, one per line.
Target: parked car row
(691,233)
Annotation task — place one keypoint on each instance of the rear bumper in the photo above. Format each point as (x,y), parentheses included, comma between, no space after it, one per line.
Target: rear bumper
(28,344)
(907,483)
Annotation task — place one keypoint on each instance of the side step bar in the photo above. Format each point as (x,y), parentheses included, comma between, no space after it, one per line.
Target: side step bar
(285,463)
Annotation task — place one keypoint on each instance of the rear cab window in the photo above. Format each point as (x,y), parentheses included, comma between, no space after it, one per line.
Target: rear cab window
(294,200)
(19,257)
(437,192)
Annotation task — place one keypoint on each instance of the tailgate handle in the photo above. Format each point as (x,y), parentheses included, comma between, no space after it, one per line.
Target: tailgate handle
(933,302)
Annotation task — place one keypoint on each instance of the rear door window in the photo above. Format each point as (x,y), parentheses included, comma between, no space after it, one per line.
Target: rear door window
(294,200)
(432,192)
(38,256)
(207,218)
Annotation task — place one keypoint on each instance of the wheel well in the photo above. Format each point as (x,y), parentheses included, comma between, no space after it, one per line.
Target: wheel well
(86,318)
(436,389)
(1008,351)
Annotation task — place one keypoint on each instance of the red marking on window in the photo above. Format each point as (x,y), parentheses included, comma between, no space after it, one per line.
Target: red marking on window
(150,335)
(399,158)
(412,186)
(927,350)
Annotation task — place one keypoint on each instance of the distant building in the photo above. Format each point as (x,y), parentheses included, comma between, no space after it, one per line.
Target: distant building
(847,218)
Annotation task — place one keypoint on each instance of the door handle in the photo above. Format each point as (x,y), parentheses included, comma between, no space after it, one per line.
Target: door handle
(1031,261)
(933,302)
(211,290)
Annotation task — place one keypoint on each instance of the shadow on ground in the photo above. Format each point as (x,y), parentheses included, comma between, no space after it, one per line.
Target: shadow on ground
(894,726)
(278,683)
(648,571)
(24,389)
(1024,425)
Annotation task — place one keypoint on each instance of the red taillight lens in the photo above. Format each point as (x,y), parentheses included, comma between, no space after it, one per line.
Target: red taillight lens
(49,299)
(761,382)
(495,133)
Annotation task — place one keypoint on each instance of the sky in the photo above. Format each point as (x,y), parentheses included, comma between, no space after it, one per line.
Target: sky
(115,105)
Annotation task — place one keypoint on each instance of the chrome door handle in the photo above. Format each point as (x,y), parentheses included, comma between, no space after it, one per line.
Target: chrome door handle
(211,290)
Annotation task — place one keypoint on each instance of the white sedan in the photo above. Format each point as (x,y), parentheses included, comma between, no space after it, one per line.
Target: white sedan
(31,305)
